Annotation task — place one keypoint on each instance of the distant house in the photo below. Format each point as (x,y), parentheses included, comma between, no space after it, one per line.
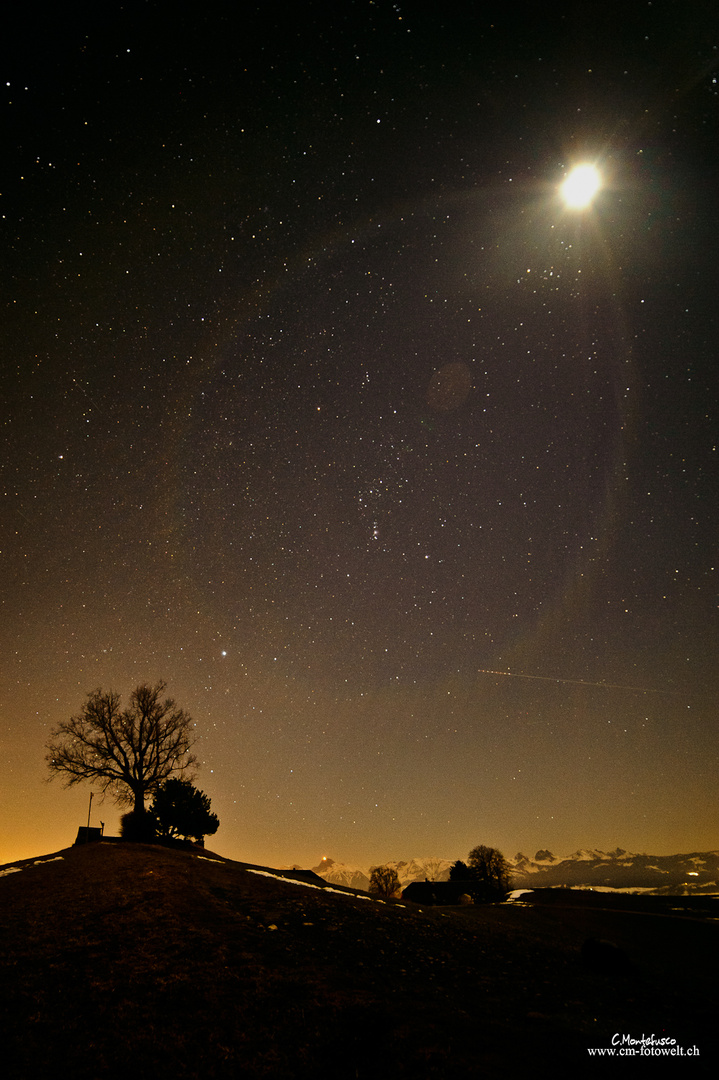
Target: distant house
(86,835)
(438,892)
(308,876)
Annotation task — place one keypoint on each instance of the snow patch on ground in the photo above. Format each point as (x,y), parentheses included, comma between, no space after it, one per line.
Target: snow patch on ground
(615,889)
(305,884)
(38,862)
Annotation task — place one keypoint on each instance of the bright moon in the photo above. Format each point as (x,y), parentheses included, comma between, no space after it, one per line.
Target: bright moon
(580,186)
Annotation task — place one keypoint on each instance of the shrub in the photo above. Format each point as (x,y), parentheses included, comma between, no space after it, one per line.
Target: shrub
(138,826)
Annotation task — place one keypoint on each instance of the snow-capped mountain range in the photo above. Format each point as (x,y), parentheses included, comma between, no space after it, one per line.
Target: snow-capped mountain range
(697,872)
(358,877)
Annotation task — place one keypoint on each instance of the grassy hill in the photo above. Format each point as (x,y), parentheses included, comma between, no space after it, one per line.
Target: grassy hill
(130,960)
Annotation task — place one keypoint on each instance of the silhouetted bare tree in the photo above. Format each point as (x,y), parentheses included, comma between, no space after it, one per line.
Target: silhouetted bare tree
(384,881)
(127,752)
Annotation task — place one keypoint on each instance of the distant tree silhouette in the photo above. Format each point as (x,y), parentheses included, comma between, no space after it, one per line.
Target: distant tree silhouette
(180,810)
(459,871)
(488,866)
(384,881)
(127,752)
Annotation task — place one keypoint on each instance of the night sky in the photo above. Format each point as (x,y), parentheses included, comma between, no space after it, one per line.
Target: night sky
(321,405)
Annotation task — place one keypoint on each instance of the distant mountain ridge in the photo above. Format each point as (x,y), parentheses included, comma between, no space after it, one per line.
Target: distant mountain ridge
(357,877)
(696,872)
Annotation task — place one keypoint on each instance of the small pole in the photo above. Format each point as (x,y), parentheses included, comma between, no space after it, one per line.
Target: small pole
(89,809)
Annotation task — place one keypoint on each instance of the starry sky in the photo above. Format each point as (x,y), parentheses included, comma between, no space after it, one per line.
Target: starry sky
(320,404)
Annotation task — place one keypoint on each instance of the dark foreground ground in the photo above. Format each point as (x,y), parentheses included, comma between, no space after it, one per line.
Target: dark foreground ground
(126,960)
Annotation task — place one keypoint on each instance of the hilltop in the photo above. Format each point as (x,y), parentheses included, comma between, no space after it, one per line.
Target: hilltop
(119,959)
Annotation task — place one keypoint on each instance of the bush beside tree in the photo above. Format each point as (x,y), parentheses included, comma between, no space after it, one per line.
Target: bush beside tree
(138,826)
(181,811)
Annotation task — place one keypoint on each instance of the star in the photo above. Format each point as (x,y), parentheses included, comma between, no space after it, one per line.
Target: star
(580,186)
